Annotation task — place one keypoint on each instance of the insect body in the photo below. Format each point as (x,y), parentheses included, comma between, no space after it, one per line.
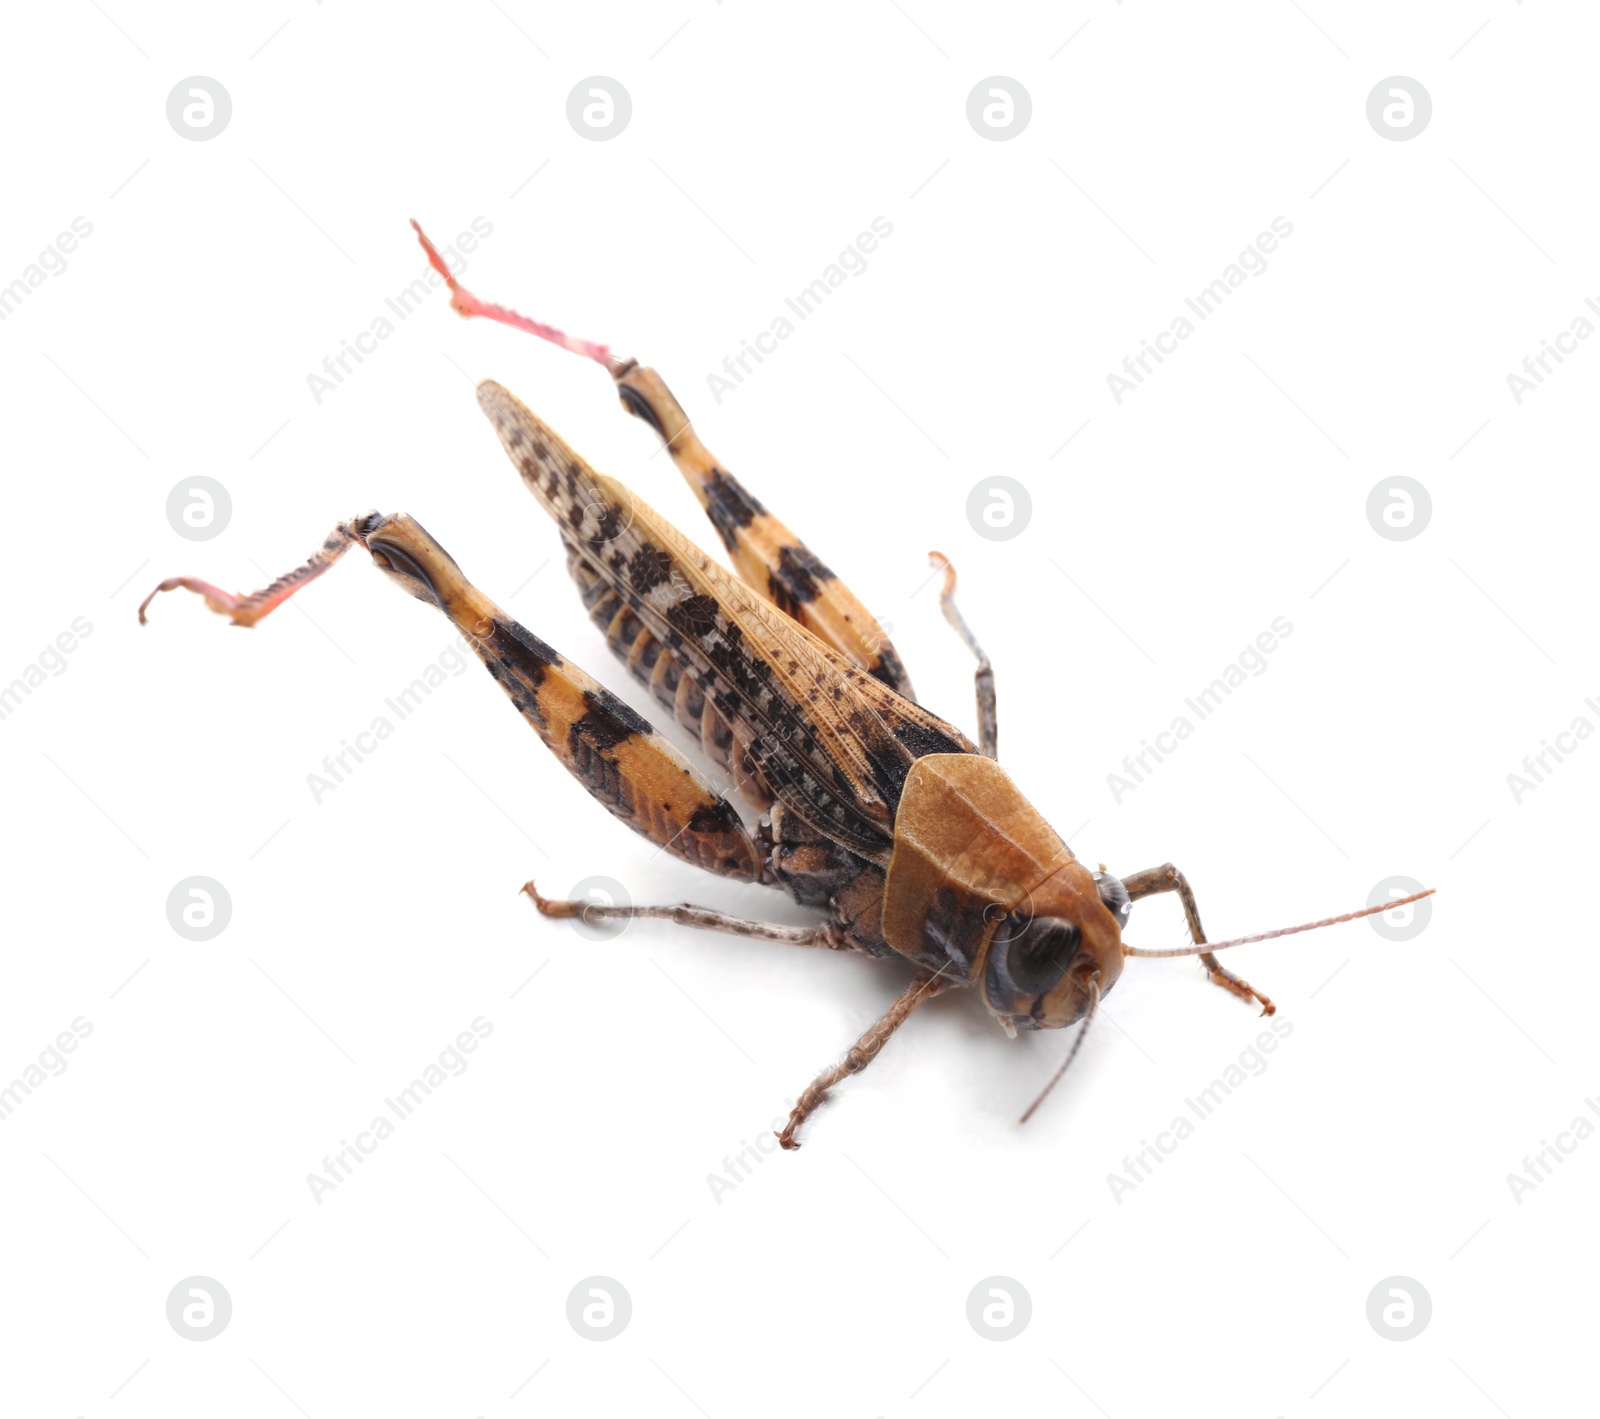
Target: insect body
(912,840)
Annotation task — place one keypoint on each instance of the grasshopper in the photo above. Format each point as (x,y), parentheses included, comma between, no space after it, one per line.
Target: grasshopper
(911,839)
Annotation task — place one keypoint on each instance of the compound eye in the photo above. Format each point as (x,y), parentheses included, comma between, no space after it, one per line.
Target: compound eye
(1038,954)
(1115,897)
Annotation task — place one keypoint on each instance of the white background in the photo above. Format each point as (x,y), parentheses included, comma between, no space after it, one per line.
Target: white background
(372,927)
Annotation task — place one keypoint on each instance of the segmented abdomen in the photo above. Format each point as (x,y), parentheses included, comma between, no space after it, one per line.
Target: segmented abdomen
(654,666)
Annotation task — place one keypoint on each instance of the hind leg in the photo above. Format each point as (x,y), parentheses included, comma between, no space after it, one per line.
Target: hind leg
(765,553)
(603,743)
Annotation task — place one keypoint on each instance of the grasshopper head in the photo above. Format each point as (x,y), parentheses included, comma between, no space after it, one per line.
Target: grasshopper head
(1045,954)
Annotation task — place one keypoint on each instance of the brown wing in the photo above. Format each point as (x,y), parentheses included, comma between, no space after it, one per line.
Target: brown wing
(832,744)
(764,552)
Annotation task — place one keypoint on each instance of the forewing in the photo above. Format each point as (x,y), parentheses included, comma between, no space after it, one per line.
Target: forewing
(834,744)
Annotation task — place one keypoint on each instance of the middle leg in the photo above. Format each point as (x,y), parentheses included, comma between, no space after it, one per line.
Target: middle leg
(1167,878)
(706,919)
(862,1052)
(983,677)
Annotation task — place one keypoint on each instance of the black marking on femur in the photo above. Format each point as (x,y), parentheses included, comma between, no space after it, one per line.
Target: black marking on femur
(797,578)
(729,506)
(523,697)
(609,722)
(640,407)
(523,652)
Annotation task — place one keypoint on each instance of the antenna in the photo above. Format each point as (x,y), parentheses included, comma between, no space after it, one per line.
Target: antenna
(1072,1054)
(1206,947)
